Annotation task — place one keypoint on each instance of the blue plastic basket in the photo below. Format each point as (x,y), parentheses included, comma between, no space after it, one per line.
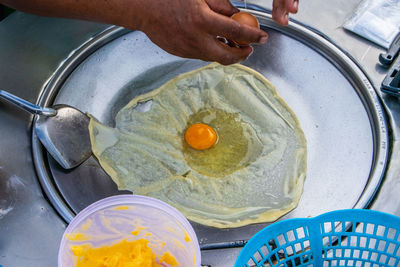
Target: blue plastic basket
(362,238)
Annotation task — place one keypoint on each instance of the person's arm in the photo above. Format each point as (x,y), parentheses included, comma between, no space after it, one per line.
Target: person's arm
(186,28)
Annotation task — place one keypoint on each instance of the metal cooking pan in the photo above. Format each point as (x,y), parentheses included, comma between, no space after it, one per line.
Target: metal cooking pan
(337,107)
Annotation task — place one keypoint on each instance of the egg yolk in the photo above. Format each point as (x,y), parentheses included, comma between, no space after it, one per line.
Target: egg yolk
(200,136)
(125,253)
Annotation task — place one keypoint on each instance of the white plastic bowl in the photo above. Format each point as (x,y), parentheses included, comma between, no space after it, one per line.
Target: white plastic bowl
(113,219)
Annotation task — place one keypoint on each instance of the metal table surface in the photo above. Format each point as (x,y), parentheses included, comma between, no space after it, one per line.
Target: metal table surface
(31,49)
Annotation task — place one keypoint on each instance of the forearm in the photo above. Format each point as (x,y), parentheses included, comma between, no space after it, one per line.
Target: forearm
(186,28)
(117,12)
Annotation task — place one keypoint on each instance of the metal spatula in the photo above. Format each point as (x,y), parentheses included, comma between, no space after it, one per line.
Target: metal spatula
(63,130)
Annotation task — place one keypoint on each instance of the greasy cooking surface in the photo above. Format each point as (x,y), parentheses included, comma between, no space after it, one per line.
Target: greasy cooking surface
(335,105)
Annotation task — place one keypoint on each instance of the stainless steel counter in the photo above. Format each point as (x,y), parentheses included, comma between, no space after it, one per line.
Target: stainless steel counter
(31,49)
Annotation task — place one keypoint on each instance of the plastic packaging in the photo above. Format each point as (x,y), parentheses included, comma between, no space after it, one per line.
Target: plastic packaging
(113,219)
(376,20)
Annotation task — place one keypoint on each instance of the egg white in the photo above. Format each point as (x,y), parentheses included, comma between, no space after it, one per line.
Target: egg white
(144,152)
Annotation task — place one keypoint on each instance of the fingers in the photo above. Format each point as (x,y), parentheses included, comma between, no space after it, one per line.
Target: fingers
(196,33)
(223,26)
(292,6)
(280,16)
(282,8)
(225,55)
(223,7)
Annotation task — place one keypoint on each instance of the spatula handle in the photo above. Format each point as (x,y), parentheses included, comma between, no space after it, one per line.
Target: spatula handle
(392,53)
(27,106)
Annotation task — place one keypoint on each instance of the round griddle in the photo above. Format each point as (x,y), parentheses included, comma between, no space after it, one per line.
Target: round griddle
(336,105)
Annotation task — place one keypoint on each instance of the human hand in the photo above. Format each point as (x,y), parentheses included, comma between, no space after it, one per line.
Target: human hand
(189,28)
(186,28)
(282,8)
